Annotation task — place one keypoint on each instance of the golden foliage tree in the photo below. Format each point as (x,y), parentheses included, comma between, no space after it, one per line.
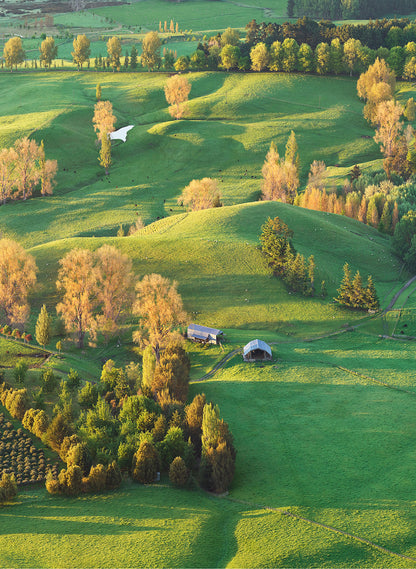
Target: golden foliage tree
(8,157)
(81,51)
(201,194)
(26,166)
(105,152)
(13,52)
(103,119)
(160,308)
(97,288)
(77,277)
(17,278)
(114,286)
(48,51)
(280,177)
(317,175)
(177,89)
(259,56)
(151,50)
(47,172)
(389,130)
(376,85)
(114,52)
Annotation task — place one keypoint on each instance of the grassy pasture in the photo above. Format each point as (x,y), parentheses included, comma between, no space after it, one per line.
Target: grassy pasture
(324,442)
(233,118)
(195,15)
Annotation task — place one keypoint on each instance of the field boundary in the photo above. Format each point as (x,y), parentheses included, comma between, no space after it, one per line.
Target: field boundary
(342,532)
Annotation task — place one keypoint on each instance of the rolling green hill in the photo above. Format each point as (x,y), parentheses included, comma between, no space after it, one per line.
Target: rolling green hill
(326,431)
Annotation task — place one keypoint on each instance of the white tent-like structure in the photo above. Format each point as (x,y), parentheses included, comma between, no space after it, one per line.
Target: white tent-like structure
(257,350)
(121,133)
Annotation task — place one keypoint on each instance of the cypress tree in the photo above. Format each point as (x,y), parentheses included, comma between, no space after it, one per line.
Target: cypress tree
(311,275)
(345,290)
(358,299)
(133,58)
(371,298)
(43,327)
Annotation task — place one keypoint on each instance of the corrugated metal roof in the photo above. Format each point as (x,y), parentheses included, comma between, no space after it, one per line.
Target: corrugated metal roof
(257,345)
(197,329)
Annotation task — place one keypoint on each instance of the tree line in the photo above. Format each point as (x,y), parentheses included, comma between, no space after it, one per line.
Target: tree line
(305,46)
(345,9)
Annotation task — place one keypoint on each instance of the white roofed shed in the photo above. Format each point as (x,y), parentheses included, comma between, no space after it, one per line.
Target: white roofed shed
(203,334)
(257,350)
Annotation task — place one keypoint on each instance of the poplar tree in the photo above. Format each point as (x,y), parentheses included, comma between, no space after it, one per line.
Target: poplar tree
(105,152)
(43,327)
(385,220)
(98,92)
(291,154)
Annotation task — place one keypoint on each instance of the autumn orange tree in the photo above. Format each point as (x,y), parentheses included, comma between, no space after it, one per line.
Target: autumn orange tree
(103,119)
(161,312)
(77,277)
(23,167)
(17,278)
(280,177)
(8,158)
(114,282)
(96,290)
(177,89)
(201,194)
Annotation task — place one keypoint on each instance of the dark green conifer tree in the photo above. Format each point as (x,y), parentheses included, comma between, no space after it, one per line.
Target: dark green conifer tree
(345,290)
(371,298)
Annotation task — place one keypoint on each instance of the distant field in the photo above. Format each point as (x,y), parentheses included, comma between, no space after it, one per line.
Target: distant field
(195,15)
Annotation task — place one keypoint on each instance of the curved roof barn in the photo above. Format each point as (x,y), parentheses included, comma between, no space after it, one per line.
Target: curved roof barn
(257,350)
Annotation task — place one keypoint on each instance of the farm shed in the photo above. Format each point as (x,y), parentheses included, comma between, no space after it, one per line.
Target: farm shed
(257,350)
(203,334)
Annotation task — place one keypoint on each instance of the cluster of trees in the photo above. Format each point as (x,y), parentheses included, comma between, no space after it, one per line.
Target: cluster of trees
(172,27)
(201,194)
(373,205)
(281,175)
(373,34)
(72,480)
(144,424)
(345,9)
(276,245)
(353,294)
(397,143)
(23,168)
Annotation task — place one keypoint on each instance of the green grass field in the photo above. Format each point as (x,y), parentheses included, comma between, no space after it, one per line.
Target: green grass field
(326,431)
